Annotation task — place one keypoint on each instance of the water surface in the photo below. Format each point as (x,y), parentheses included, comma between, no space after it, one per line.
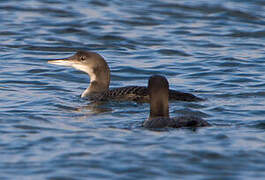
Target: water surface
(213,49)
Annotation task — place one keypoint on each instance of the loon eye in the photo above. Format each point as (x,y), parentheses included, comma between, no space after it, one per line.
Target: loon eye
(82,58)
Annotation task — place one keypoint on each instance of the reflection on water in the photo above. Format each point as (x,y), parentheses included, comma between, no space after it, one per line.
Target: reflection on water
(94,108)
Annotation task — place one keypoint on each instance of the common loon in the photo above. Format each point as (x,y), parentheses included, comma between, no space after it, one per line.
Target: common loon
(97,68)
(159,114)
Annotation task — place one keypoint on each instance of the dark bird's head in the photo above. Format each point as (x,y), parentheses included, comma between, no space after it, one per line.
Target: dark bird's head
(158,91)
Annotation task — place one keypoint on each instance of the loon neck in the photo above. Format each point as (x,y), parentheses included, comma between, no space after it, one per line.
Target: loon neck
(95,87)
(158,91)
(159,105)
(99,80)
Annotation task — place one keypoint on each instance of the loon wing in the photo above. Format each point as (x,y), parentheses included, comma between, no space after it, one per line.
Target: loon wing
(181,96)
(190,121)
(133,93)
(140,94)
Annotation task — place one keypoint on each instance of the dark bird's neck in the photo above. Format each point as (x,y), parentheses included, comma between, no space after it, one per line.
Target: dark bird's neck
(159,104)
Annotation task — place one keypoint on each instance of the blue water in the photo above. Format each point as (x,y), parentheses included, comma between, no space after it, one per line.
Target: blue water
(213,49)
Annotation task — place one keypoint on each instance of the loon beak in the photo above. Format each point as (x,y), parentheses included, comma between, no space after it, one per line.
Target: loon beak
(72,62)
(63,62)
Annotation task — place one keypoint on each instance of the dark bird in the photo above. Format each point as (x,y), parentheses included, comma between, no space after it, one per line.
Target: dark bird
(159,114)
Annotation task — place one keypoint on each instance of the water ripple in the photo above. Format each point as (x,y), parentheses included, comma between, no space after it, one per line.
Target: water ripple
(213,49)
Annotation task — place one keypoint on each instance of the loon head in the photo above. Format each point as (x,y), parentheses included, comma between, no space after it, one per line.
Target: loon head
(158,91)
(91,63)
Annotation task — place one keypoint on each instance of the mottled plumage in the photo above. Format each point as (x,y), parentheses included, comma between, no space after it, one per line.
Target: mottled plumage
(140,94)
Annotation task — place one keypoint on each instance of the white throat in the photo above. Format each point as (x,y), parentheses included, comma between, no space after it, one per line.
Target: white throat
(87,70)
(91,74)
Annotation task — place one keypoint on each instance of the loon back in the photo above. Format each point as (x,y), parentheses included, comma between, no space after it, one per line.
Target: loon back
(140,94)
(159,122)
(178,122)
(190,121)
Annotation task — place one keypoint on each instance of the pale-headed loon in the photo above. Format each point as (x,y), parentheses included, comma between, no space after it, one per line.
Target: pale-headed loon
(97,68)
